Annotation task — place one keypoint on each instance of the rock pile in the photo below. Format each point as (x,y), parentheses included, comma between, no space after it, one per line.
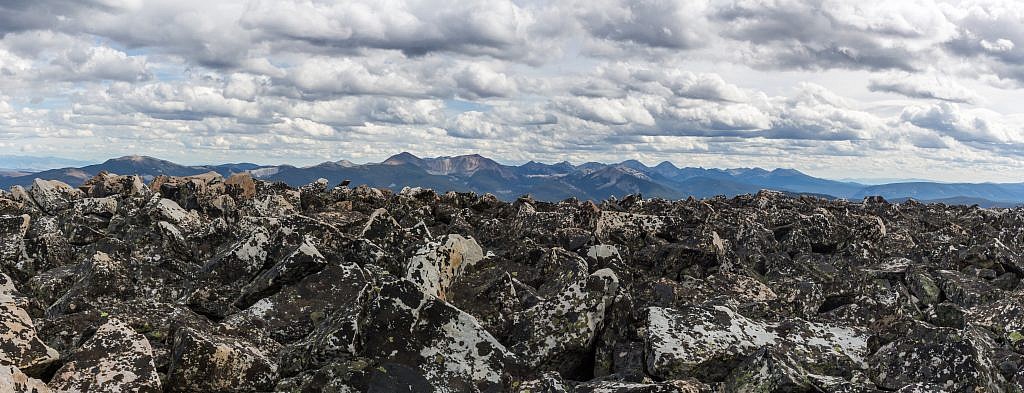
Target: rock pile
(208,284)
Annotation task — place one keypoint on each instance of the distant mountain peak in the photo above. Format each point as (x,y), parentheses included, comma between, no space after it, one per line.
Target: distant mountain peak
(786,171)
(593,180)
(666,165)
(135,158)
(403,158)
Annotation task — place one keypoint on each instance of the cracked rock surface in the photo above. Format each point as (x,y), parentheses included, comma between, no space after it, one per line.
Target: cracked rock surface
(207,284)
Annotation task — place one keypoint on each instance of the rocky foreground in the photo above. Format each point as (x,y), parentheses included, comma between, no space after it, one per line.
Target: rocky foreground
(195,284)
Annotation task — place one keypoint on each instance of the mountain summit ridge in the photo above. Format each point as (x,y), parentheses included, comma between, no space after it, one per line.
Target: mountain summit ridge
(590,180)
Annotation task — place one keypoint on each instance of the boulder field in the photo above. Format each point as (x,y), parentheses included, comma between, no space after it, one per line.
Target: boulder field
(207,284)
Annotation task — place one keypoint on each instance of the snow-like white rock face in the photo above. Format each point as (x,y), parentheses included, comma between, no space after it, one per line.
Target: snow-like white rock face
(680,341)
(253,251)
(438,264)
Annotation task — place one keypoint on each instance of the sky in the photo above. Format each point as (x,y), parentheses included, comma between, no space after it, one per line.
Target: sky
(842,89)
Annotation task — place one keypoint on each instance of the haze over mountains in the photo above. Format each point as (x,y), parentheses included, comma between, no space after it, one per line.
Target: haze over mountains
(551,182)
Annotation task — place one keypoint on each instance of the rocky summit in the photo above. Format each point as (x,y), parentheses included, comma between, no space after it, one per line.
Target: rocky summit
(211,284)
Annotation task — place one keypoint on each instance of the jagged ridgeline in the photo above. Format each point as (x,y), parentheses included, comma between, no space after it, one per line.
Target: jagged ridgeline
(207,284)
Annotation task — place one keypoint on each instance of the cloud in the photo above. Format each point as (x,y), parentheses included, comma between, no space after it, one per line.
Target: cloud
(617,79)
(964,124)
(924,86)
(658,23)
(872,34)
(480,81)
(495,28)
(721,80)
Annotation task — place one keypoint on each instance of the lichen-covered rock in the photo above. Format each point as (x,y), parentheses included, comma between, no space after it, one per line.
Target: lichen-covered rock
(169,210)
(106,184)
(114,359)
(447,347)
(624,227)
(549,382)
(240,284)
(706,342)
(12,247)
(676,386)
(14,381)
(766,371)
(957,359)
(99,279)
(213,363)
(222,278)
(293,312)
(553,334)
(301,262)
(438,264)
(53,196)
(20,345)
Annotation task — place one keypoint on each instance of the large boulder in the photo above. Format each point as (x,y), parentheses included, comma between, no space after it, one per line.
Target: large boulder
(114,359)
(53,196)
(293,312)
(437,264)
(557,333)
(960,360)
(448,349)
(20,345)
(707,342)
(209,362)
(13,380)
(303,261)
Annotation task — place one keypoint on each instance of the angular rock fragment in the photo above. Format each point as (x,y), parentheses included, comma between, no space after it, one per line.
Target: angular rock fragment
(554,334)
(53,196)
(213,363)
(305,260)
(448,349)
(438,264)
(706,342)
(14,380)
(12,247)
(959,360)
(293,312)
(114,359)
(20,345)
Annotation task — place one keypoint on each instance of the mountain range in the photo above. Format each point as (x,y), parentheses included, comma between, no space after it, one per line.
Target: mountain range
(551,182)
